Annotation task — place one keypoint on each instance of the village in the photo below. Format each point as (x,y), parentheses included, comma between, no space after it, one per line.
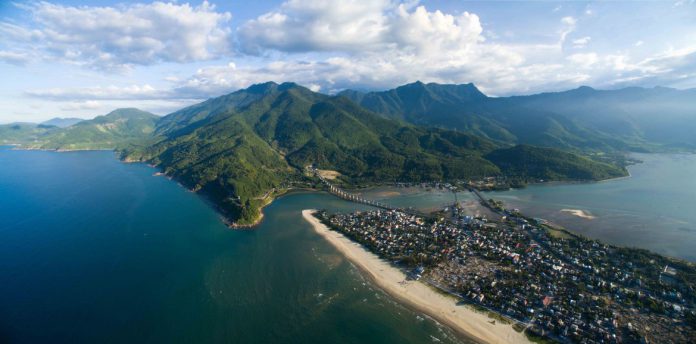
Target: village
(561,288)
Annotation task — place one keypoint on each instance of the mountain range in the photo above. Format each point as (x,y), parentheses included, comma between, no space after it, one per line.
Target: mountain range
(111,131)
(242,149)
(585,119)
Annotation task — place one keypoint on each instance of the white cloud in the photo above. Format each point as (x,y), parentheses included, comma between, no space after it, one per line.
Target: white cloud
(134,92)
(86,105)
(570,21)
(581,42)
(382,44)
(569,24)
(13,57)
(316,25)
(357,26)
(117,37)
(584,60)
(684,2)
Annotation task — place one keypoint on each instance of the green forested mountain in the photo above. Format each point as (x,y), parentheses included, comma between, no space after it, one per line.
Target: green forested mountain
(243,148)
(527,162)
(240,147)
(585,119)
(23,133)
(119,127)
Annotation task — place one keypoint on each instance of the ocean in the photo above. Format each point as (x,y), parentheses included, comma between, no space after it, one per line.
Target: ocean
(96,250)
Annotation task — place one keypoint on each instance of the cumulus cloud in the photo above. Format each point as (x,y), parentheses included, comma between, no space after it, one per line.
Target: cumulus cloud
(366,44)
(316,25)
(332,45)
(117,37)
(357,26)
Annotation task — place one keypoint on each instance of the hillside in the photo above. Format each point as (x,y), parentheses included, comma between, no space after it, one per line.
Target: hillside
(23,133)
(585,119)
(526,162)
(118,128)
(61,122)
(240,148)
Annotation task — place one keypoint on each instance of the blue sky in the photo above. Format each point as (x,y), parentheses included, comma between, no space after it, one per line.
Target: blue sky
(85,58)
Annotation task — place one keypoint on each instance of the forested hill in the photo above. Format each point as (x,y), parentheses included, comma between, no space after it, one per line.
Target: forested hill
(239,148)
(637,119)
(527,162)
(111,131)
(23,133)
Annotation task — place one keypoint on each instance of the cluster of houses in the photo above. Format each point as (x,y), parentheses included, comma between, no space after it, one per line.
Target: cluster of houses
(570,290)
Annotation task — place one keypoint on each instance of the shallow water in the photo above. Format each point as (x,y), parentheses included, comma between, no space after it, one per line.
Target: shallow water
(654,209)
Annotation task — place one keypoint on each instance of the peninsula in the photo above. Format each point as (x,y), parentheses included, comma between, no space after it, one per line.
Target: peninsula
(444,308)
(555,286)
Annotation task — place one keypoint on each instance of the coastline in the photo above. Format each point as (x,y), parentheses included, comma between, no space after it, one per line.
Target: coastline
(460,318)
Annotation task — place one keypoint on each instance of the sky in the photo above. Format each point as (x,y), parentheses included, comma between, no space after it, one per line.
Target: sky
(86,58)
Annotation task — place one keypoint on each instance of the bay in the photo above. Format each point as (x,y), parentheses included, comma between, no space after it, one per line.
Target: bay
(95,250)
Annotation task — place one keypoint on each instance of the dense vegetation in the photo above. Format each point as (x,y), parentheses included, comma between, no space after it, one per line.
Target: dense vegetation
(23,133)
(526,162)
(584,119)
(114,130)
(241,148)
(244,148)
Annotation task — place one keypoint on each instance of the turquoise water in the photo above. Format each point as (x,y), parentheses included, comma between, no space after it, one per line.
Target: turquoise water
(654,209)
(94,250)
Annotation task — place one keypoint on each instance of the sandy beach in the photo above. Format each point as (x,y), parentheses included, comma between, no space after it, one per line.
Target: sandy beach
(443,308)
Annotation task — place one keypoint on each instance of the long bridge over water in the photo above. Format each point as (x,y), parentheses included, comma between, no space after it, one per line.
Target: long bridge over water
(335,190)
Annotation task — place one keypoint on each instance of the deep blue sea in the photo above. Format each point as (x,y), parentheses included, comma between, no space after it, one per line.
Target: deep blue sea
(93,250)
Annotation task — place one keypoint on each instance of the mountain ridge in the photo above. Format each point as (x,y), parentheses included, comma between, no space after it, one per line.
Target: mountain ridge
(119,127)
(582,119)
(242,148)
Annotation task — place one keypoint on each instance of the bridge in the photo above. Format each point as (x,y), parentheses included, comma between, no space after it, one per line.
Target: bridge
(335,190)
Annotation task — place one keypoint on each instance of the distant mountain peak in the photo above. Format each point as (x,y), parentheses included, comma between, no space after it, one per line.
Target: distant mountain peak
(269,87)
(584,89)
(414,85)
(287,85)
(61,122)
(128,113)
(261,88)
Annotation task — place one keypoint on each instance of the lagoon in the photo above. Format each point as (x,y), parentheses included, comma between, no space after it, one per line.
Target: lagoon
(654,209)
